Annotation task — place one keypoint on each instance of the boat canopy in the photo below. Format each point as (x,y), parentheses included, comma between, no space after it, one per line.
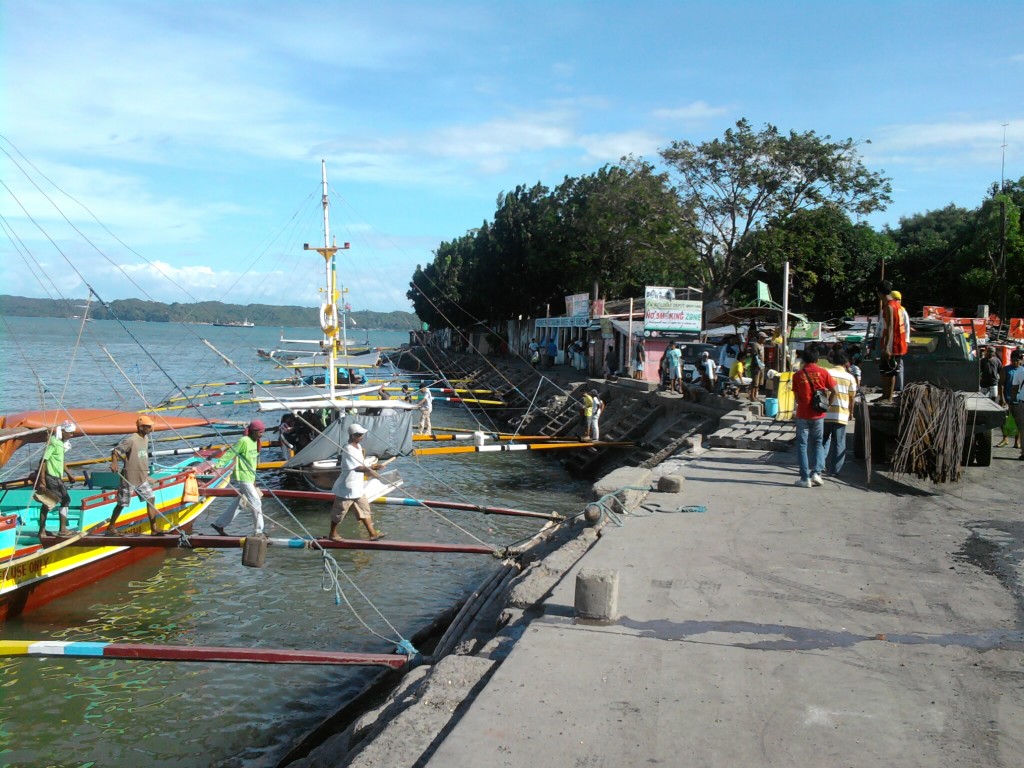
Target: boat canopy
(390,435)
(30,426)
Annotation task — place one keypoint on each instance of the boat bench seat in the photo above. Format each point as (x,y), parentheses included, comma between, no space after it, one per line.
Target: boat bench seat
(102,480)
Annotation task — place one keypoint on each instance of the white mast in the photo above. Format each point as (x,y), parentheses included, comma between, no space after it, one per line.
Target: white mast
(329,310)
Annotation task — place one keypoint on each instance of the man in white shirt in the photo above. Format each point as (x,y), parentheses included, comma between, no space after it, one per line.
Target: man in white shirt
(426,408)
(838,414)
(708,371)
(350,486)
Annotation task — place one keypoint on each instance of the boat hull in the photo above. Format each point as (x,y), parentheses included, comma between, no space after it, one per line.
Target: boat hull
(32,575)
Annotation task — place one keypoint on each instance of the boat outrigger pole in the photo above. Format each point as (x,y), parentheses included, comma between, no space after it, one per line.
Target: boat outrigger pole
(329,309)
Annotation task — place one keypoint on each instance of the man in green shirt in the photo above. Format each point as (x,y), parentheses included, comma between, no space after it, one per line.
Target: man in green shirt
(246,454)
(50,474)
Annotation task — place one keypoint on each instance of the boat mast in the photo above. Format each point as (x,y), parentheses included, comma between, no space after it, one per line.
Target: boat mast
(329,310)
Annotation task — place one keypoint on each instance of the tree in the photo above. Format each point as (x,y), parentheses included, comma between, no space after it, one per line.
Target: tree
(929,262)
(623,227)
(735,186)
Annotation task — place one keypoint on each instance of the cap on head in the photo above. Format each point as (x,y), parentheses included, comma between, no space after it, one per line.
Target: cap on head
(257,426)
(593,391)
(68,427)
(762,335)
(143,421)
(357,429)
(897,295)
(705,354)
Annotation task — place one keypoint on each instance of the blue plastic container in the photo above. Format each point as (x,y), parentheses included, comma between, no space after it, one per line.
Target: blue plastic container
(771,406)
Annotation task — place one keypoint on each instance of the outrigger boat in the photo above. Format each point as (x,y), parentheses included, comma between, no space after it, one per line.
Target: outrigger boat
(309,431)
(34,571)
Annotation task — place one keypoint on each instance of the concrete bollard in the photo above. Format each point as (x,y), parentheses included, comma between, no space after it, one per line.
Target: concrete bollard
(597,595)
(671,483)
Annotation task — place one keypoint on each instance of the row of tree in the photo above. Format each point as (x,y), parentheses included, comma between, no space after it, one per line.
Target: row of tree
(723,214)
(200,312)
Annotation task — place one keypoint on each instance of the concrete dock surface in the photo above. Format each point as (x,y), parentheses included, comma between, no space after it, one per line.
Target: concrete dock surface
(844,625)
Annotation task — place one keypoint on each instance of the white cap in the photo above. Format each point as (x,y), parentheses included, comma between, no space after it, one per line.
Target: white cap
(357,429)
(68,426)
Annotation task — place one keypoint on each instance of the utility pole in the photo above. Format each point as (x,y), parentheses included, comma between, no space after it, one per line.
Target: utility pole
(1002,231)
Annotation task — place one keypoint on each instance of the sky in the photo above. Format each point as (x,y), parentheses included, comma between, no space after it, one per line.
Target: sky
(171,150)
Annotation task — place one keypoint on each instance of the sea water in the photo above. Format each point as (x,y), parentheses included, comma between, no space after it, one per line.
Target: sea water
(103,712)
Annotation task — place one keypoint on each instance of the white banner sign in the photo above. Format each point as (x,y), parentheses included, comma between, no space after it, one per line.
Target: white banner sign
(663,312)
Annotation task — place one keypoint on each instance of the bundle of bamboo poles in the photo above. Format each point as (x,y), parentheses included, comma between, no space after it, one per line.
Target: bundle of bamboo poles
(932,433)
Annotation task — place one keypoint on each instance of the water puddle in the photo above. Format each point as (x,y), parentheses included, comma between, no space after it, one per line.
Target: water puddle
(997,548)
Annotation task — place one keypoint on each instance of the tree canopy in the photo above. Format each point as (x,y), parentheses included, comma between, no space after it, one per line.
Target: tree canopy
(740,184)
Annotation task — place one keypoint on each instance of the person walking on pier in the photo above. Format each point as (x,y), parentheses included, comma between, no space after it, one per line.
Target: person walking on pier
(134,452)
(350,487)
(810,416)
(640,359)
(246,453)
(51,473)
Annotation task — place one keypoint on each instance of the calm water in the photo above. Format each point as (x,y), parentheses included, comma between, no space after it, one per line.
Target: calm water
(95,712)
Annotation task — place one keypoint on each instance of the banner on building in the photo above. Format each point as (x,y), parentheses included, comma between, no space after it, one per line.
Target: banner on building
(664,312)
(577,305)
(806,331)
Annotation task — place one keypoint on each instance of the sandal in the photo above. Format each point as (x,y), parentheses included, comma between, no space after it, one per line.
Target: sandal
(380,536)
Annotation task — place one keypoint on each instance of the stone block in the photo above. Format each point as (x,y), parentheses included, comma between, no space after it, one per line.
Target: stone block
(671,483)
(597,594)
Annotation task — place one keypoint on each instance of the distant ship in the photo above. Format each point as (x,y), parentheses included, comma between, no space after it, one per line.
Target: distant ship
(237,324)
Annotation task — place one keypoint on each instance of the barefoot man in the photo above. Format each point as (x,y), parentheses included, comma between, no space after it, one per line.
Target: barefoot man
(351,484)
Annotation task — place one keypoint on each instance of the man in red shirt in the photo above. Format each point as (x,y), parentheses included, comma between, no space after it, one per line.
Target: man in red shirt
(810,421)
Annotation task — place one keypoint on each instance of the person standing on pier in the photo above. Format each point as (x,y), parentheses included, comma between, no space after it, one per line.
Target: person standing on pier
(674,356)
(350,487)
(426,408)
(51,473)
(596,409)
(640,359)
(134,452)
(246,454)
(1015,384)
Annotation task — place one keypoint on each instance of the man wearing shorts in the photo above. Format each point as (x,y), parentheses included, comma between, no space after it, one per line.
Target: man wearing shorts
(51,475)
(350,486)
(134,452)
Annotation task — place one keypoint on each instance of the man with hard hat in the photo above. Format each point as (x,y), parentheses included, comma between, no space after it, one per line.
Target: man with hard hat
(51,474)
(246,454)
(134,452)
(350,487)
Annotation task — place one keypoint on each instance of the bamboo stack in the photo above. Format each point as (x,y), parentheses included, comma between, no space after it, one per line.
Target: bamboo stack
(932,433)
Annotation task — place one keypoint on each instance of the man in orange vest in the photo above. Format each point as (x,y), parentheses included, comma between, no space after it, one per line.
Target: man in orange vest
(893,342)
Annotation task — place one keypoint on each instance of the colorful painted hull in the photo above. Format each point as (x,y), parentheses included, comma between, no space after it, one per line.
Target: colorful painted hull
(32,575)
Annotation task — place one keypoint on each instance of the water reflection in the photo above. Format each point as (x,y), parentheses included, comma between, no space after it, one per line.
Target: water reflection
(103,712)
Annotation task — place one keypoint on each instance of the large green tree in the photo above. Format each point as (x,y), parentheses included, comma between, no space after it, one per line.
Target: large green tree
(739,184)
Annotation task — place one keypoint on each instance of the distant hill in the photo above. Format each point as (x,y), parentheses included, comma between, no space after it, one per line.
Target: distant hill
(201,312)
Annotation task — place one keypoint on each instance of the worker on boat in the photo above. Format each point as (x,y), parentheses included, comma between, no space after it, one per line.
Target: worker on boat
(383,394)
(245,453)
(406,393)
(51,473)
(350,487)
(426,407)
(135,480)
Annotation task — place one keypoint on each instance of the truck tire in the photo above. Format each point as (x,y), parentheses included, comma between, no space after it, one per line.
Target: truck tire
(983,448)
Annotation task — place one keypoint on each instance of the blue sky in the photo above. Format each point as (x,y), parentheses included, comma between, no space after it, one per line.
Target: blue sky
(194,130)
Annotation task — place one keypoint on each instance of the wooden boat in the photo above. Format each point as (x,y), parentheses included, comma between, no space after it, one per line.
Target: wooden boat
(311,432)
(33,571)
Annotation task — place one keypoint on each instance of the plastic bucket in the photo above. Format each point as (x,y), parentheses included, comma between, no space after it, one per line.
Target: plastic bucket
(771,406)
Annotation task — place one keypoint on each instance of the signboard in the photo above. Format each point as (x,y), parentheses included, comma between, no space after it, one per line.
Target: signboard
(577,305)
(607,331)
(806,331)
(664,312)
(598,308)
(563,322)
(938,313)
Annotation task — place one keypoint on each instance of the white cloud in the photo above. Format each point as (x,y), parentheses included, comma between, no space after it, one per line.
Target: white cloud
(694,112)
(610,147)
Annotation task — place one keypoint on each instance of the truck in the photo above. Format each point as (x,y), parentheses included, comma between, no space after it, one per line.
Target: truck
(941,354)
